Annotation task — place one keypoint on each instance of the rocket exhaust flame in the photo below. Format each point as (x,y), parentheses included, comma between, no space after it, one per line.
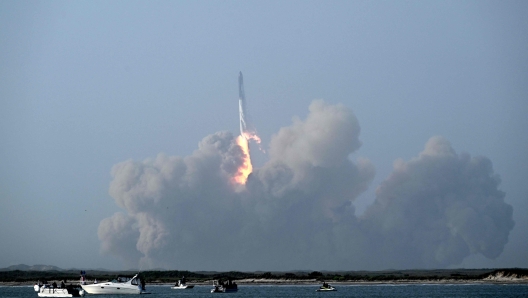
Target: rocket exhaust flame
(247,133)
(246,168)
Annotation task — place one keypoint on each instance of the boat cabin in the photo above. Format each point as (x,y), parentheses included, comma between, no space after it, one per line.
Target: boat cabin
(126,279)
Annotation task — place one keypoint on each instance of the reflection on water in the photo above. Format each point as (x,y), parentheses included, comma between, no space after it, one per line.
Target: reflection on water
(403,291)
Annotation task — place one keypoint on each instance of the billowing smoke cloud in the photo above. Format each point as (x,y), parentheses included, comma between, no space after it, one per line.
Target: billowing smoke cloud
(296,211)
(436,209)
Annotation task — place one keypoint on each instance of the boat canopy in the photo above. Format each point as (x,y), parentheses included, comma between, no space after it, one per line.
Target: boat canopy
(124,279)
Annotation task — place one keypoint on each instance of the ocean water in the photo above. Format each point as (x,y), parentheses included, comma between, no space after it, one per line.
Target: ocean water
(403,291)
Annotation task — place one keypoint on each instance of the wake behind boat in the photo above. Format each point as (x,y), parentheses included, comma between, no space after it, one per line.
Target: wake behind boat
(120,285)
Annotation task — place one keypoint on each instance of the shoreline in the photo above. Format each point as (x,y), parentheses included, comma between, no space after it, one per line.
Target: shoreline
(275,282)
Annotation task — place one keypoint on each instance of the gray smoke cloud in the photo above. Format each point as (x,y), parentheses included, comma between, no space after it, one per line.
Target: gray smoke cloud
(438,208)
(296,211)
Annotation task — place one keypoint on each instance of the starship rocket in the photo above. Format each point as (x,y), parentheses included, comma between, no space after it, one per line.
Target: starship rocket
(244,128)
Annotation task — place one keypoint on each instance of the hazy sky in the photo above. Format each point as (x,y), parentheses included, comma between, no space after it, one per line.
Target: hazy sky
(394,131)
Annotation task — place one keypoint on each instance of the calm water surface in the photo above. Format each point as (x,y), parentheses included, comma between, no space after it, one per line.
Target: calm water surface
(403,291)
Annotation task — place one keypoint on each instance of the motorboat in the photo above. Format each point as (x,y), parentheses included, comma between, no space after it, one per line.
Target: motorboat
(221,287)
(120,285)
(182,285)
(47,290)
(325,287)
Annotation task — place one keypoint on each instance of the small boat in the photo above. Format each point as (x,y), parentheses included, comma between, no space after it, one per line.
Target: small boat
(46,290)
(182,285)
(325,288)
(221,287)
(120,285)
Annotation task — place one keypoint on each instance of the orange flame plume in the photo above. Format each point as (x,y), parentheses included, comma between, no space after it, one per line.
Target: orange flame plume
(246,168)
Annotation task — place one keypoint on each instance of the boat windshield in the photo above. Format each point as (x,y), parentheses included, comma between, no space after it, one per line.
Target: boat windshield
(122,279)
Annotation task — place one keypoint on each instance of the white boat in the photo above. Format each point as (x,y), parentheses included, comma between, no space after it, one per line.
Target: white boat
(325,287)
(182,285)
(120,285)
(47,290)
(220,287)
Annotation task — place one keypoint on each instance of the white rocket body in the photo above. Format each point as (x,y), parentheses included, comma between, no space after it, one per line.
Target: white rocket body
(244,129)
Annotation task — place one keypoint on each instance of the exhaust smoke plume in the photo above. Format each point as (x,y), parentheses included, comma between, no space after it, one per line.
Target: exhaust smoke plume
(296,211)
(438,208)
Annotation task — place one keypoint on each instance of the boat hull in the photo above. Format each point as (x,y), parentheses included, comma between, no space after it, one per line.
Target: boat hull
(326,289)
(55,295)
(182,287)
(50,292)
(224,290)
(97,289)
(58,292)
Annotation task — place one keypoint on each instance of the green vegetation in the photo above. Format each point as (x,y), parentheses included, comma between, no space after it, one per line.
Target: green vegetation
(171,276)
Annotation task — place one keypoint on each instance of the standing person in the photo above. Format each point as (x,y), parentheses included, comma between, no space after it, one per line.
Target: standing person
(83,277)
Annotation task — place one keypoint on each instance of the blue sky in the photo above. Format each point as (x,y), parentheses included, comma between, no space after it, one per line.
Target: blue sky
(86,85)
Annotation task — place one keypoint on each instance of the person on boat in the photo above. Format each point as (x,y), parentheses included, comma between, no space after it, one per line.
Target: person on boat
(54,285)
(63,285)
